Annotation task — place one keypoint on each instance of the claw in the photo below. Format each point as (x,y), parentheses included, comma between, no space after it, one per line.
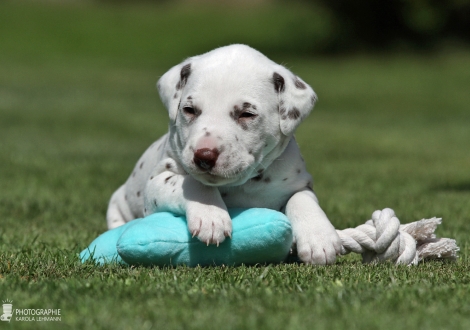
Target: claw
(208,242)
(217,243)
(326,257)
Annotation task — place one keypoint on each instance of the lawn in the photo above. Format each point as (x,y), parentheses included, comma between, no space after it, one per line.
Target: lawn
(78,106)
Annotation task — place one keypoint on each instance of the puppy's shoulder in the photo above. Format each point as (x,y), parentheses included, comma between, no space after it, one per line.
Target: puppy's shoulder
(290,158)
(286,175)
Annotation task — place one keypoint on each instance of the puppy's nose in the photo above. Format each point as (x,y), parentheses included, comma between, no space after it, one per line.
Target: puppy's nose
(206,158)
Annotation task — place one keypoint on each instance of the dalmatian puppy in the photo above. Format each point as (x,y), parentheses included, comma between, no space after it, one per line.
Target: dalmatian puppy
(233,113)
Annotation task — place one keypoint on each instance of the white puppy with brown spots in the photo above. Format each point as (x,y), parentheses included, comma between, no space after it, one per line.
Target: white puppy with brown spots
(233,113)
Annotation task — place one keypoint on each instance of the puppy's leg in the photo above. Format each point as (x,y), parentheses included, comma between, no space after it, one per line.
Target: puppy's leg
(316,238)
(203,206)
(118,210)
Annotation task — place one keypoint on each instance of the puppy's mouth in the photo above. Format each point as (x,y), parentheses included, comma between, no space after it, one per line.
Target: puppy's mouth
(209,178)
(214,177)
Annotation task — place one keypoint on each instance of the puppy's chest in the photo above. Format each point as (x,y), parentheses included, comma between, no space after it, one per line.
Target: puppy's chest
(268,190)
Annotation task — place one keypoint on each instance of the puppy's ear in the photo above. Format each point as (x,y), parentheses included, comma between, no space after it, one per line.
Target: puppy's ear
(296,99)
(171,84)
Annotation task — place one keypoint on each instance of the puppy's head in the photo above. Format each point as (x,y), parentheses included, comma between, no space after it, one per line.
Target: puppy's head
(232,112)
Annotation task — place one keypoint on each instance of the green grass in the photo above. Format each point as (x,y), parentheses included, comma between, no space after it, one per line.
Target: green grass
(388,131)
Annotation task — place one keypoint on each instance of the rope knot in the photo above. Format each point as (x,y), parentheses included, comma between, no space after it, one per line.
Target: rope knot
(383,239)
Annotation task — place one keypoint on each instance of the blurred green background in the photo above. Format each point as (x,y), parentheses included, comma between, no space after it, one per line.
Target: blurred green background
(162,30)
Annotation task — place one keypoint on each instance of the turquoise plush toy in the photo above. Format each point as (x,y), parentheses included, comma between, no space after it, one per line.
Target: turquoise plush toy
(163,239)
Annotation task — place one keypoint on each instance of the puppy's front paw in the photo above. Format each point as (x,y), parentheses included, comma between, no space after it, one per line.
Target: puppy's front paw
(209,223)
(318,247)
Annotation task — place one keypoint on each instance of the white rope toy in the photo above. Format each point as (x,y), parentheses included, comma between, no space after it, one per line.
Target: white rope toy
(384,239)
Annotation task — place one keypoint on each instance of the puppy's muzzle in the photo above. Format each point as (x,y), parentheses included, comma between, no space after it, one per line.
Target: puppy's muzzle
(206,158)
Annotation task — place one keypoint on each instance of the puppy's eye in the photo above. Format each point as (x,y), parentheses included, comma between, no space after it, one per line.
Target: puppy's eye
(247,114)
(189,111)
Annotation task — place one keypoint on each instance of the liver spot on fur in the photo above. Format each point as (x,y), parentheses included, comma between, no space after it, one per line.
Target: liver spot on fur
(278,81)
(294,113)
(299,84)
(184,75)
(314,99)
(236,111)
